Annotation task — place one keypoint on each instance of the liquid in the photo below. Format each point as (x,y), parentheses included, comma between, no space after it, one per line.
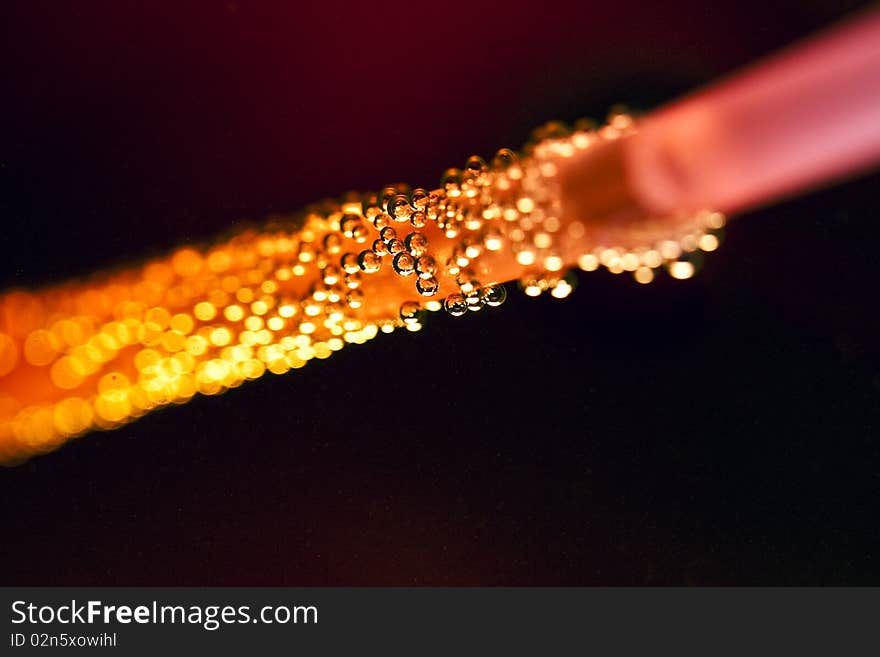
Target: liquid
(95,355)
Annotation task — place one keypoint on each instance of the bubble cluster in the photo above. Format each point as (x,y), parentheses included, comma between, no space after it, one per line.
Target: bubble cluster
(680,255)
(97,354)
(514,205)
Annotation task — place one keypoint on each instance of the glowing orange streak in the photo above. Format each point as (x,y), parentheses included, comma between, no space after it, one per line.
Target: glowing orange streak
(100,353)
(627,197)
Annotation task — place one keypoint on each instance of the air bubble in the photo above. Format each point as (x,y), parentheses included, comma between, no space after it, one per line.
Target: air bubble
(473,221)
(434,204)
(369,206)
(531,286)
(689,242)
(381,220)
(319,292)
(467,284)
(369,262)
(494,295)
(493,240)
(710,241)
(590,262)
(474,301)
(380,248)
(504,159)
(686,266)
(472,247)
(387,234)
(564,286)
(399,208)
(306,253)
(451,182)
(644,275)
(332,275)
(410,312)
(404,264)
(416,244)
(455,305)
(669,249)
(332,243)
(418,219)
(360,233)
(395,246)
(459,256)
(475,167)
(386,196)
(349,223)
(420,198)
(426,266)
(349,263)
(427,287)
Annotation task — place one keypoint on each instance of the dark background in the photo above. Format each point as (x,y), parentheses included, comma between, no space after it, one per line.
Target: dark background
(721,430)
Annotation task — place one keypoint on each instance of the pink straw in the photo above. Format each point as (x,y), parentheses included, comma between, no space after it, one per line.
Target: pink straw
(807,115)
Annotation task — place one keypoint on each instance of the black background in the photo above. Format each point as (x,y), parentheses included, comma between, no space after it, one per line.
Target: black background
(720,430)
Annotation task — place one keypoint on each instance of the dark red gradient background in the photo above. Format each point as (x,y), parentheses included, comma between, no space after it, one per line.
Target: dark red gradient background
(722,430)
